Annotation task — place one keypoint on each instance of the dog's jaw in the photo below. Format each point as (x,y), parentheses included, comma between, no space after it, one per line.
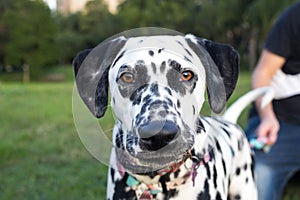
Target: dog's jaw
(135,160)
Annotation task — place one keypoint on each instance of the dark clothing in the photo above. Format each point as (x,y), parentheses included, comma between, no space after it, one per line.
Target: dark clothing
(284,40)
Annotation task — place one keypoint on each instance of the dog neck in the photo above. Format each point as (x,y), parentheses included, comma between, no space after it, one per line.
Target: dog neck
(167,179)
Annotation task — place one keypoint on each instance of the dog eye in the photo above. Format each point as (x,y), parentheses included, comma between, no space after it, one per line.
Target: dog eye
(127,77)
(186,75)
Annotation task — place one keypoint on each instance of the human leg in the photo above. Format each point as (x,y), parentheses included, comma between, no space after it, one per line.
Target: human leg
(273,169)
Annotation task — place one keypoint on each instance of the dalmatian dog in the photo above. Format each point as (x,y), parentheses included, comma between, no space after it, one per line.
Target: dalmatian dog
(162,148)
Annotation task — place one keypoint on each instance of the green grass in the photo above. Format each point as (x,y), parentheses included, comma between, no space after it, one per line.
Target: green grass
(41,155)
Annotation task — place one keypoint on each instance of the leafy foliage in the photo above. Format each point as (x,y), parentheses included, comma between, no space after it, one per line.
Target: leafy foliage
(31,34)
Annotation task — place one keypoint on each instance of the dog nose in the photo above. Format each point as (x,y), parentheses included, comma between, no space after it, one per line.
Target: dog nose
(157,134)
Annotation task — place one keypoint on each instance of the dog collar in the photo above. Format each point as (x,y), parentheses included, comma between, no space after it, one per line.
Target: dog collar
(146,191)
(196,163)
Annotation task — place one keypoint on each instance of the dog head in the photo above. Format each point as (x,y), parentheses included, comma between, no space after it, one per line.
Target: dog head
(157,87)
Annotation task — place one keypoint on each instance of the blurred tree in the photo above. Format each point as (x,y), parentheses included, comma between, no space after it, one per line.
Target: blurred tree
(241,23)
(222,21)
(258,19)
(85,29)
(69,38)
(30,35)
(97,23)
(178,15)
(3,31)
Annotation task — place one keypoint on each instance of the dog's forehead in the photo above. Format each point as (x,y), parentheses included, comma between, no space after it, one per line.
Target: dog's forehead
(171,43)
(156,50)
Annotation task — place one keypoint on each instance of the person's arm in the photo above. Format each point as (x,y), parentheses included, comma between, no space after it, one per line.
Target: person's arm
(266,68)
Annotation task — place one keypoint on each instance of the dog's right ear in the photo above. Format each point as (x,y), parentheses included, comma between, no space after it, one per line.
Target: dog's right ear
(91,68)
(221,63)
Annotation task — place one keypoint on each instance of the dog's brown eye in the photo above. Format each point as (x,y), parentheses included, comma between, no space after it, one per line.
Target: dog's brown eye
(127,77)
(186,75)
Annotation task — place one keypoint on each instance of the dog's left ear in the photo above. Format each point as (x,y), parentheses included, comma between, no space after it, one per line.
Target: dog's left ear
(91,69)
(221,63)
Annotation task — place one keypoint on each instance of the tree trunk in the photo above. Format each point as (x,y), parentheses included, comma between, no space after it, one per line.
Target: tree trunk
(26,73)
(252,49)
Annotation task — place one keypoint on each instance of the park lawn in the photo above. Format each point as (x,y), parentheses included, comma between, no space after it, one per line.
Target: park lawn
(41,155)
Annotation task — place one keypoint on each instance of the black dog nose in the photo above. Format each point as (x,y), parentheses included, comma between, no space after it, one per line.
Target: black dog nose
(157,134)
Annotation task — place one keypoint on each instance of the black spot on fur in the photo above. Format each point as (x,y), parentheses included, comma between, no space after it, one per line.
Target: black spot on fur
(168,90)
(160,50)
(238,171)
(118,58)
(112,174)
(218,196)
(121,190)
(215,176)
(129,143)
(119,139)
(226,131)
(237,197)
(178,104)
(188,52)
(193,83)
(163,179)
(169,102)
(153,67)
(204,195)
(212,155)
(163,67)
(139,118)
(175,65)
(232,151)
(154,89)
(247,180)
(187,59)
(252,166)
(151,53)
(224,167)
(245,166)
(218,146)
(147,99)
(207,170)
(179,43)
(136,97)
(240,144)
(176,173)
(143,109)
(170,194)
(200,126)
(194,110)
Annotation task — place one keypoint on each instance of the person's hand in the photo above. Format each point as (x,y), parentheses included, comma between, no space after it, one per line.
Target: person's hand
(267,130)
